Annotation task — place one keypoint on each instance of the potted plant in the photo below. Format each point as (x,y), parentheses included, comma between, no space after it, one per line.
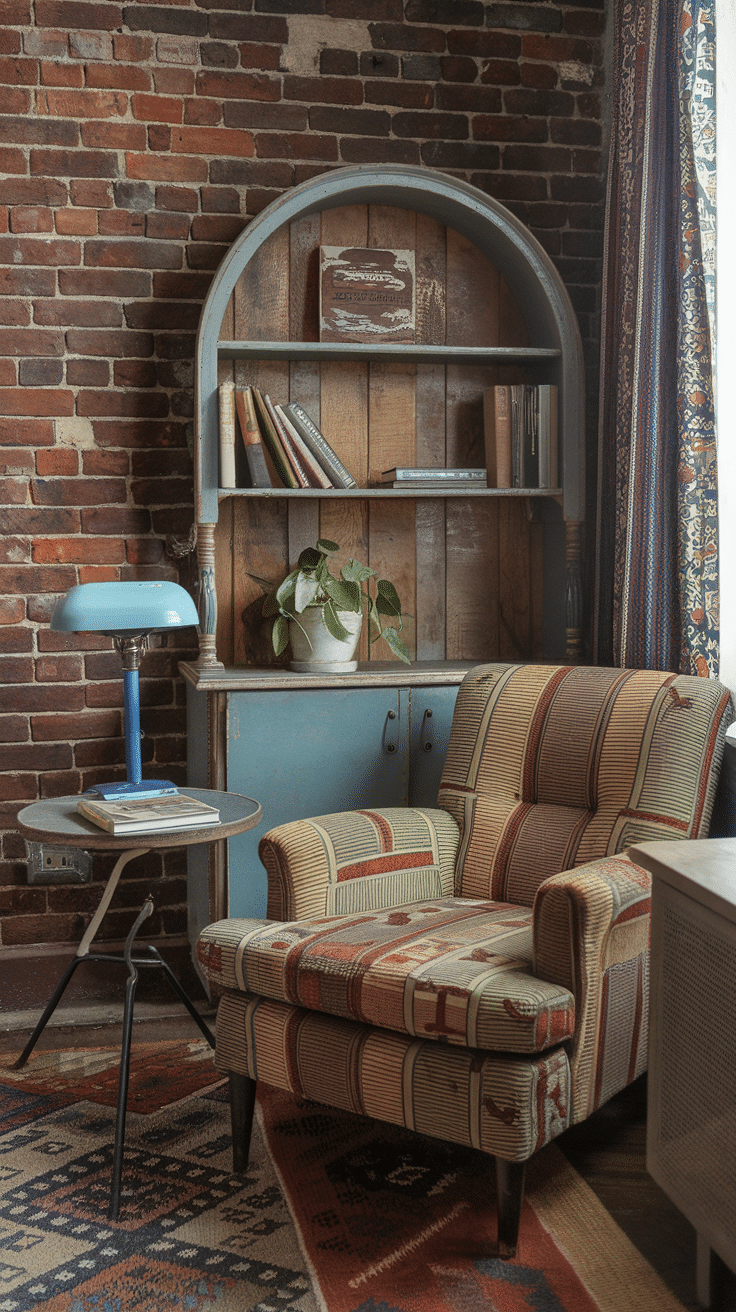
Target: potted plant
(321,613)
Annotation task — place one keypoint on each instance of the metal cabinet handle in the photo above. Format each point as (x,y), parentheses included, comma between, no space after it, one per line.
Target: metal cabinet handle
(391,733)
(426,737)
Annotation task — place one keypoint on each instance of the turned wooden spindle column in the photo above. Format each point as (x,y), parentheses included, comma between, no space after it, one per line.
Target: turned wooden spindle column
(207,603)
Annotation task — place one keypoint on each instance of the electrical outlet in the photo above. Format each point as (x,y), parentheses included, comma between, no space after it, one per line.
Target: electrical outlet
(51,863)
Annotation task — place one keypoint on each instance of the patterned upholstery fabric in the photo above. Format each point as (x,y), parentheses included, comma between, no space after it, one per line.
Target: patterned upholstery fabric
(479,971)
(457,971)
(501,1105)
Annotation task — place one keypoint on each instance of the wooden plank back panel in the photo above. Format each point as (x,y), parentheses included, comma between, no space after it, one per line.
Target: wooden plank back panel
(468,571)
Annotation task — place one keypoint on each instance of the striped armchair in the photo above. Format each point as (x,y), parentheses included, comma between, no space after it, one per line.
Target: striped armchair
(478,971)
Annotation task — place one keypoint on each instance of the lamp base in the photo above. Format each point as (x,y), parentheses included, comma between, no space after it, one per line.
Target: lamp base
(130,792)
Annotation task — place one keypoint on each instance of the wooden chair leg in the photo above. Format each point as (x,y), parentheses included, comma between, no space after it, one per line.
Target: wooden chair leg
(242,1106)
(510,1196)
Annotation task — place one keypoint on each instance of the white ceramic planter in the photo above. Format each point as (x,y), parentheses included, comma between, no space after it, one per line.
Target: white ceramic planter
(321,653)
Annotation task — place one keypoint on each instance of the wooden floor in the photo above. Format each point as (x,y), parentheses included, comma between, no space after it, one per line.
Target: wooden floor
(608,1150)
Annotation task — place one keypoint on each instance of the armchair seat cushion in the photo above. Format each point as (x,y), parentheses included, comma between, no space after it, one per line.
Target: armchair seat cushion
(454,970)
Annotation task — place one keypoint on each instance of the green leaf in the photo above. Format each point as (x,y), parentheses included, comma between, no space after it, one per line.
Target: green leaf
(354,572)
(388,598)
(310,558)
(324,544)
(270,605)
(306,589)
(346,596)
(397,646)
(332,623)
(280,635)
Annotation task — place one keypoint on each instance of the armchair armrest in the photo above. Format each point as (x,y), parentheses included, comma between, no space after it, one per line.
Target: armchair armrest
(591,929)
(356,861)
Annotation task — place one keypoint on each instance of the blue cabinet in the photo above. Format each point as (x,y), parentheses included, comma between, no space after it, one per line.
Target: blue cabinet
(308,751)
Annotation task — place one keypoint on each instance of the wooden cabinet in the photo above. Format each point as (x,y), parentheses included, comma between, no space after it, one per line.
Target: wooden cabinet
(306,751)
(482,575)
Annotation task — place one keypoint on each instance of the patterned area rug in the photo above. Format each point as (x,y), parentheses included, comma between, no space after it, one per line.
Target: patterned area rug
(335,1214)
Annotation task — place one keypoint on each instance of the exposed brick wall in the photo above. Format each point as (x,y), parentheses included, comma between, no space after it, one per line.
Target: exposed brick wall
(136,141)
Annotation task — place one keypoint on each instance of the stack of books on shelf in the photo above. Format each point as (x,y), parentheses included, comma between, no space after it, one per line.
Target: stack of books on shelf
(443,480)
(143,814)
(520,423)
(283,445)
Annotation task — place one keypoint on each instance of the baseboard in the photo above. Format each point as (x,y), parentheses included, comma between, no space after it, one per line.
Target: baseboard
(30,973)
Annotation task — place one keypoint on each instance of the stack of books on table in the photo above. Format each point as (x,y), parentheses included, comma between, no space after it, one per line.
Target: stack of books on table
(283,445)
(444,480)
(520,423)
(141,815)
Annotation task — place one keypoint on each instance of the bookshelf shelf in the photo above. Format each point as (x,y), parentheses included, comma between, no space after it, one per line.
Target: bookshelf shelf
(423,354)
(387,494)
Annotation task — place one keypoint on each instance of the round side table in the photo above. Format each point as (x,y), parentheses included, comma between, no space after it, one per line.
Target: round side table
(57,820)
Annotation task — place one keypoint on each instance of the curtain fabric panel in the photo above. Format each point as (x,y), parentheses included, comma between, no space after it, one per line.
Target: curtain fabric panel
(657,554)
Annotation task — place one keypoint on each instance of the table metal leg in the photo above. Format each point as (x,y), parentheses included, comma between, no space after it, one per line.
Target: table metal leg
(82,953)
(130,987)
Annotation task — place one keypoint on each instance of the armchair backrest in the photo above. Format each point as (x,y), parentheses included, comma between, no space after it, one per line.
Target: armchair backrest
(549,767)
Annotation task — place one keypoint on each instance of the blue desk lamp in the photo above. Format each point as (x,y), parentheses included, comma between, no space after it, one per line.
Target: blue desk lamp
(127,612)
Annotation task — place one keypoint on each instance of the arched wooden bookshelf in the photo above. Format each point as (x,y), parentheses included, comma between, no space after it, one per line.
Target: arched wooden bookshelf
(482,576)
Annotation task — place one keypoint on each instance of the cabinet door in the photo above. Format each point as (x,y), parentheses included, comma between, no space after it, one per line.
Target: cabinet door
(308,752)
(432,710)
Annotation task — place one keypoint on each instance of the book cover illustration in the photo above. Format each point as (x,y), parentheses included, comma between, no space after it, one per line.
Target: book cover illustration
(366,295)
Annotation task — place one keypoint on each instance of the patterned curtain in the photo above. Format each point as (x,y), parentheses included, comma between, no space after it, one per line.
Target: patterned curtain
(657,548)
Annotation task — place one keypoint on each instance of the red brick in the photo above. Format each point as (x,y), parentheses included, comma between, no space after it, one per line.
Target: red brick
(11,160)
(31,219)
(141,404)
(204,113)
(13,729)
(88,373)
(159,137)
(292,146)
(78,14)
(122,223)
(78,492)
(176,198)
(13,491)
(134,373)
(167,226)
(12,610)
(87,191)
(59,669)
(58,461)
(14,550)
(19,72)
(62,75)
(118,136)
(105,462)
(74,163)
(22,341)
(52,253)
(17,313)
(212,141)
(76,222)
(7,373)
(158,169)
(132,49)
(36,401)
(32,432)
(125,77)
(79,551)
(90,314)
(92,282)
(84,104)
(133,255)
(162,109)
(173,81)
(221,85)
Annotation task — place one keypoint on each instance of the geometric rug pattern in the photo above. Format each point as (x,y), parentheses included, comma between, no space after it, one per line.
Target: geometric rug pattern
(334,1214)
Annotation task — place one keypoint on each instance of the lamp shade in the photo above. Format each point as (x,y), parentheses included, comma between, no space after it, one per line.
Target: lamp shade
(124,609)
